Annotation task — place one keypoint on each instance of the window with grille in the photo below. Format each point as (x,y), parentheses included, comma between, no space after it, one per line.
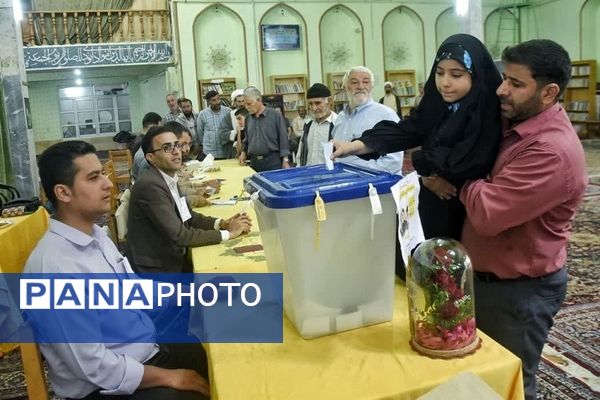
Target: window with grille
(96,110)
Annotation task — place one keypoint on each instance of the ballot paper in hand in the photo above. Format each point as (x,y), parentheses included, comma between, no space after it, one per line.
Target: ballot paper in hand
(327,151)
(410,231)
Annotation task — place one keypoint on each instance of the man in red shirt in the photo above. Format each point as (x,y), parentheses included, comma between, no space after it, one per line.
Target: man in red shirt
(519,218)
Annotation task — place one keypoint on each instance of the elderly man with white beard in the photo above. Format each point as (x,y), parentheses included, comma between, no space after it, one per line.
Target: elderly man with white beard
(361,114)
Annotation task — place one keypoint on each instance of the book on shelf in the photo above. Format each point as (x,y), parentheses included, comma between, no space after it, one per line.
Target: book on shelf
(337,85)
(577,117)
(578,83)
(581,70)
(404,89)
(578,106)
(228,87)
(292,105)
(407,102)
(212,86)
(341,96)
(289,88)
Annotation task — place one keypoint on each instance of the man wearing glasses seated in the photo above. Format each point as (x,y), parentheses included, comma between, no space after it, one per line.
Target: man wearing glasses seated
(160,225)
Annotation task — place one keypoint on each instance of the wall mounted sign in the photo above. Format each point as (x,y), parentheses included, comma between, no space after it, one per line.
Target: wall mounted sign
(280,37)
(96,55)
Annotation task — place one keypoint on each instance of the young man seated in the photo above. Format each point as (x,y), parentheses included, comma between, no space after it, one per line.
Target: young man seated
(71,175)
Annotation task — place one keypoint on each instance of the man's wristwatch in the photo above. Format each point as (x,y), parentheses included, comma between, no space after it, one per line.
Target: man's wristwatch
(223,225)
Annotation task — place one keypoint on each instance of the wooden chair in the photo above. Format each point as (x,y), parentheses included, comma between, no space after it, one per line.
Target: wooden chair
(33,367)
(122,163)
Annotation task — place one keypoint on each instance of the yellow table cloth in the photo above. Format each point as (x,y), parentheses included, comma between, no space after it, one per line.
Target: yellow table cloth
(17,241)
(374,362)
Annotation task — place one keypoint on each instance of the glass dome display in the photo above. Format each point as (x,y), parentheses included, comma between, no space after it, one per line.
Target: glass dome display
(439,283)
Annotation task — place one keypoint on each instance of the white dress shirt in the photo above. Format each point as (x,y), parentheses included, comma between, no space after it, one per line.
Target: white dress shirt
(77,369)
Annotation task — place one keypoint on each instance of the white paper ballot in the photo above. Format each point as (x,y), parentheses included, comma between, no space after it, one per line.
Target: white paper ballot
(406,196)
(327,151)
(223,202)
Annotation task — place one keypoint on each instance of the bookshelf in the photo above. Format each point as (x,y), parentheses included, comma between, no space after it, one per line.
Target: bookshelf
(405,86)
(293,88)
(579,99)
(225,86)
(338,93)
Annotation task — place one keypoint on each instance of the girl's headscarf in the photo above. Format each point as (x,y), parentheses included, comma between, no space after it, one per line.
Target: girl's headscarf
(463,145)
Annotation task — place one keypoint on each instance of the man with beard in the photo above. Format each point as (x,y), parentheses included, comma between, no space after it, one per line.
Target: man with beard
(207,126)
(390,99)
(519,218)
(363,113)
(188,116)
(160,225)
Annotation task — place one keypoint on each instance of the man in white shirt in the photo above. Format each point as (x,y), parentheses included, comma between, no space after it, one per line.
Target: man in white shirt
(361,114)
(319,130)
(72,178)
(299,121)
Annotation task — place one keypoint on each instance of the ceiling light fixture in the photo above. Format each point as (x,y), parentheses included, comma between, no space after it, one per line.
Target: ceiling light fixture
(462,7)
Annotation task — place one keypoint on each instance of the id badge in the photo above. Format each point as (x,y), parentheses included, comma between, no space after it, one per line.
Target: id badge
(184,211)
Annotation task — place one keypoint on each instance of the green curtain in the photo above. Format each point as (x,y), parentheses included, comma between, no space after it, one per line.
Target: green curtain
(6,171)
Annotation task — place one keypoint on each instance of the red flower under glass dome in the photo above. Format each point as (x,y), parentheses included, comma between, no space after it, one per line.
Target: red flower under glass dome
(439,281)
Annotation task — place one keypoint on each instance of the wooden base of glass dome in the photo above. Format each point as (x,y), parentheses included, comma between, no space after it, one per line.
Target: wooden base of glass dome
(468,349)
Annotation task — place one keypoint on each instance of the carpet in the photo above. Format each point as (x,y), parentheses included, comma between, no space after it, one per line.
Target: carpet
(570,367)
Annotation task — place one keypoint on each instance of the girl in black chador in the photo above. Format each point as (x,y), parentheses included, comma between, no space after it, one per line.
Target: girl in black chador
(457,123)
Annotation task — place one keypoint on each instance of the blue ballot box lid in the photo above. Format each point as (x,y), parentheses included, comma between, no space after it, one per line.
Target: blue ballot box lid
(296,187)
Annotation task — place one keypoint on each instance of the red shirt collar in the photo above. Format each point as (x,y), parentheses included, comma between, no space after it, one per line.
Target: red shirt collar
(532,125)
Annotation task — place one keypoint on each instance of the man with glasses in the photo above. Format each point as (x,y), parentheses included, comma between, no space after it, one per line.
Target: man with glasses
(160,225)
(196,193)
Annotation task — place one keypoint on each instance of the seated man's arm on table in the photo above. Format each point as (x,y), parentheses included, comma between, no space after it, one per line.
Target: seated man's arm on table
(118,374)
(180,379)
(156,204)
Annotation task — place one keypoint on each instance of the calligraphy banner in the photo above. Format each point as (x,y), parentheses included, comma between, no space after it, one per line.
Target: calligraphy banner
(96,55)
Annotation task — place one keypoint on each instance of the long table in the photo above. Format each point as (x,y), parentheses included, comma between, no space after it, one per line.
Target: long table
(17,241)
(374,362)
